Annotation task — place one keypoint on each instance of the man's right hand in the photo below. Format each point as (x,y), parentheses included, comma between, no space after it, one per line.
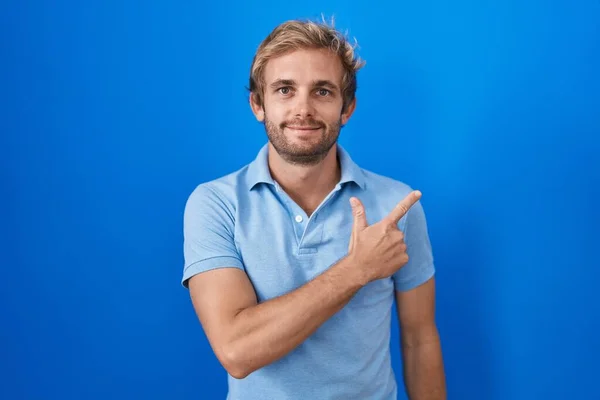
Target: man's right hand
(379,250)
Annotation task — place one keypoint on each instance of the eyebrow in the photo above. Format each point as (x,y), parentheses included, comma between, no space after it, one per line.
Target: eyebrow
(282,82)
(290,82)
(325,83)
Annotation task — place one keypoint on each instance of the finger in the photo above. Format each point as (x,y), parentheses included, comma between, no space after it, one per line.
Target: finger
(358,211)
(351,242)
(402,208)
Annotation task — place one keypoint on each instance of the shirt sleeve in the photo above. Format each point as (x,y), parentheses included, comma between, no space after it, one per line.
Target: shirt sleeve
(420,266)
(208,234)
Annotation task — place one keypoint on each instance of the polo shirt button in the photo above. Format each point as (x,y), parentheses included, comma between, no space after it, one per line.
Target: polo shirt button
(298,218)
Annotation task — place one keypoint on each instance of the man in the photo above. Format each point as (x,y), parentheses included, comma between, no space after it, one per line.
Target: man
(294,261)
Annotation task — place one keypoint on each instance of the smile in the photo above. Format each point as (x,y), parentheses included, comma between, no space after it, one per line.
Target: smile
(304,128)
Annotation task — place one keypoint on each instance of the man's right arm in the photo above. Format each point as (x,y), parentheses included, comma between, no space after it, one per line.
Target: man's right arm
(246,336)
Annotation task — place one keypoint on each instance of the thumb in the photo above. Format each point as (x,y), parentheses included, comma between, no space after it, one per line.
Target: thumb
(358,211)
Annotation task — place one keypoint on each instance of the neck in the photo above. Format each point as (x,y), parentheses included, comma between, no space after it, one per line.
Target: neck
(307,185)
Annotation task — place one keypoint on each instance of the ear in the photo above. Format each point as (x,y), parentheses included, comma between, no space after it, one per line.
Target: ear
(349,111)
(257,109)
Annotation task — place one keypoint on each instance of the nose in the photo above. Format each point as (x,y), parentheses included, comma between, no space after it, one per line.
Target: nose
(303,107)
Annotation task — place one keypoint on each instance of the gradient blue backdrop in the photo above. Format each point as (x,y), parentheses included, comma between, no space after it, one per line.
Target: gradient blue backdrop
(112,112)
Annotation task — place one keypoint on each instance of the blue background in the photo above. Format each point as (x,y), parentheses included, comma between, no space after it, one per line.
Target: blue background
(112,112)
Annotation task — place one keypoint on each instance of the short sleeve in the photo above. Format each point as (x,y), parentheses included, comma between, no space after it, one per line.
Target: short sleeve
(420,267)
(208,234)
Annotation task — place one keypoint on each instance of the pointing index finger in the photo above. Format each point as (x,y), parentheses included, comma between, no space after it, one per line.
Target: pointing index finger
(403,206)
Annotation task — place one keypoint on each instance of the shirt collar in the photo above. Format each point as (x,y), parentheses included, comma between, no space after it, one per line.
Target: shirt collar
(258,170)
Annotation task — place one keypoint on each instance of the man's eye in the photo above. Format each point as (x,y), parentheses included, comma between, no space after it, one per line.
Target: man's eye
(284,90)
(323,92)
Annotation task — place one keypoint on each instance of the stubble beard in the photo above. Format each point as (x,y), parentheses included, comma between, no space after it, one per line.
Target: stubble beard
(302,155)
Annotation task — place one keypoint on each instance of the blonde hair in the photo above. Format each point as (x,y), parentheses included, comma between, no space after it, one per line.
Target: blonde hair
(299,34)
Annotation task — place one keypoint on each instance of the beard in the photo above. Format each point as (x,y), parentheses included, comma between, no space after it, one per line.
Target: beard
(309,153)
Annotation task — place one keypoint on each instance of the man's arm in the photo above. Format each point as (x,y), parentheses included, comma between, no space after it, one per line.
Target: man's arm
(420,342)
(246,336)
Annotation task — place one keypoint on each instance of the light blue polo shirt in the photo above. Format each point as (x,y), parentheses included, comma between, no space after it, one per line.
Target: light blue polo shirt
(245,220)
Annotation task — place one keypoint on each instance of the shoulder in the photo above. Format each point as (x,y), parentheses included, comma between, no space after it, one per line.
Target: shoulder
(385,185)
(224,189)
(219,195)
(383,193)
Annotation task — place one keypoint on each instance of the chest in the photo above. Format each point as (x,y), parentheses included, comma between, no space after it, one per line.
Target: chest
(282,248)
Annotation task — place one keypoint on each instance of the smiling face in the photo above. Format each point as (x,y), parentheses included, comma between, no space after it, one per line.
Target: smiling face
(302,104)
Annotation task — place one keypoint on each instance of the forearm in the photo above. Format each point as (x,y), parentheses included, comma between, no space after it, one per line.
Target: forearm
(266,332)
(424,376)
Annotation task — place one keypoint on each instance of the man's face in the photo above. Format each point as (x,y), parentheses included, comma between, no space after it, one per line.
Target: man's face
(303,102)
